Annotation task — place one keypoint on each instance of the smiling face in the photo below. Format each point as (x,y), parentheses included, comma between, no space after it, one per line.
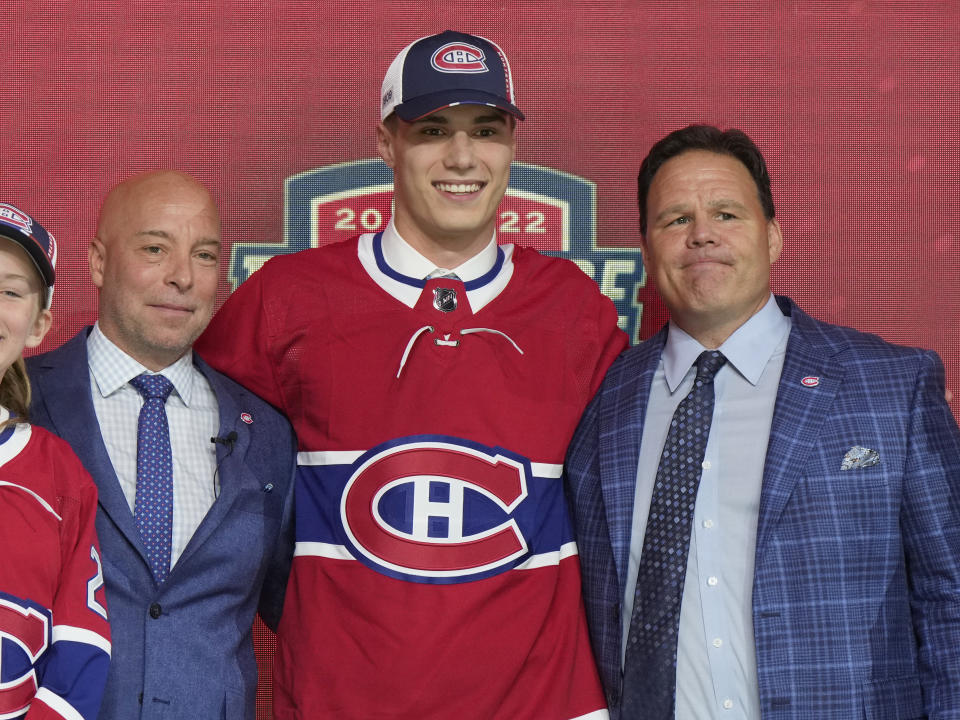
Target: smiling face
(450,171)
(24,321)
(155,260)
(708,245)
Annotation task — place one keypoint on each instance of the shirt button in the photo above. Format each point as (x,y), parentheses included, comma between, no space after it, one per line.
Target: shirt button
(728,704)
(155,610)
(717,642)
(706,465)
(708,524)
(712,581)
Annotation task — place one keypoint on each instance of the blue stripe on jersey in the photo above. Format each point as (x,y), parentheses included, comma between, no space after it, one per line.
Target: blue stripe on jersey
(77,672)
(419,282)
(432,509)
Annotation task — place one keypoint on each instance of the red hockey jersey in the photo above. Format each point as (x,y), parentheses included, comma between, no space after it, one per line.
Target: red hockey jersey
(436,573)
(54,636)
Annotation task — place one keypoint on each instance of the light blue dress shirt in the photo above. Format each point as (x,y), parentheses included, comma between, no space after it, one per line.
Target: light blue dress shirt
(716,657)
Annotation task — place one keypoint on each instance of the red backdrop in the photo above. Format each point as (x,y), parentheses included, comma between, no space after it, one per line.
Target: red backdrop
(855,104)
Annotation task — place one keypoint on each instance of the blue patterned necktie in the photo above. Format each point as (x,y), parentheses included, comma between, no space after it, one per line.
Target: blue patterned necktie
(153,507)
(650,667)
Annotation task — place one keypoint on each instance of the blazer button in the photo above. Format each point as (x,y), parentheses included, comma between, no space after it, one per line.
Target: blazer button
(155,610)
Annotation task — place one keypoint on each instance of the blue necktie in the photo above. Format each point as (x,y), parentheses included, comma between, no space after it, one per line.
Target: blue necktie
(650,666)
(153,507)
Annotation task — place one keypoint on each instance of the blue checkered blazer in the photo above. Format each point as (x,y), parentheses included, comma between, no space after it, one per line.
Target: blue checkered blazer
(856,595)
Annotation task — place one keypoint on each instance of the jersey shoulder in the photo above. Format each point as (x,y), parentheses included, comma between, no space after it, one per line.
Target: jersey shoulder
(532,264)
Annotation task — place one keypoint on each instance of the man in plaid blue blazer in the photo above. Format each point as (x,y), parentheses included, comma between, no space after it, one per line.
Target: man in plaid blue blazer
(823,573)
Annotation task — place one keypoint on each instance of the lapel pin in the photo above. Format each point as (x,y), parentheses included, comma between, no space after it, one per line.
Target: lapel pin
(810,381)
(246,417)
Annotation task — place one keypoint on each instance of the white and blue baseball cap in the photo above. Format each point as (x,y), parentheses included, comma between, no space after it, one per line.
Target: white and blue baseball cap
(451,68)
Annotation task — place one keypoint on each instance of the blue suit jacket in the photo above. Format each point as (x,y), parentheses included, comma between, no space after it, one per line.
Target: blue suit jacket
(185,647)
(856,595)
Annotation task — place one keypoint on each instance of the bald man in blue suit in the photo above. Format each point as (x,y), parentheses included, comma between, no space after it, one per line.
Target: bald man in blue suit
(182,644)
(820,560)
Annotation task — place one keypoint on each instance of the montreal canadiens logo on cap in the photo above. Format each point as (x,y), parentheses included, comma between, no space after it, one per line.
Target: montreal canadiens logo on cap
(11,216)
(459,57)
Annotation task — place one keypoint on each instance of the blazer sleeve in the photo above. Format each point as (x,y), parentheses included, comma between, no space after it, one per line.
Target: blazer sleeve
(930,521)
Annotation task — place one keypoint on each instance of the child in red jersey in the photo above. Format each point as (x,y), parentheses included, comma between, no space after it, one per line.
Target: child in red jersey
(54,636)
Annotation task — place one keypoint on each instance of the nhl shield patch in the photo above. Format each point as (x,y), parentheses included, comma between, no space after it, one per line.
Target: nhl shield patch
(445,299)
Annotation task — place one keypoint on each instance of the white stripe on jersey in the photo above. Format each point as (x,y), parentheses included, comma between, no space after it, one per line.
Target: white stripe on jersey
(46,505)
(340,552)
(80,635)
(318,549)
(348,457)
(595,715)
(546,470)
(328,457)
(57,704)
(551,558)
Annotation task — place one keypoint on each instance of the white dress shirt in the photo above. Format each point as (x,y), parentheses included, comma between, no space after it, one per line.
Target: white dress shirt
(716,655)
(193,417)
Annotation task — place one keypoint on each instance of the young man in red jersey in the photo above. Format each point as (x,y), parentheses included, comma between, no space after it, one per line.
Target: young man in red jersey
(434,378)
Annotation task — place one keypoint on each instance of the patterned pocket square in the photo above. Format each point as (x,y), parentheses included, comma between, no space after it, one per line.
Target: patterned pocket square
(860,457)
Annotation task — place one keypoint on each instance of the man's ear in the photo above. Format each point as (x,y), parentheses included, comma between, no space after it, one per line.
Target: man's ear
(385,144)
(95,258)
(774,240)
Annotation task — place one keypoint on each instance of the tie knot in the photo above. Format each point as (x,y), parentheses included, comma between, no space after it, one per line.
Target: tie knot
(708,362)
(152,386)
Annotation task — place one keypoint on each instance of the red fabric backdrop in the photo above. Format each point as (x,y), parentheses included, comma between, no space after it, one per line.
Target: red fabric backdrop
(855,104)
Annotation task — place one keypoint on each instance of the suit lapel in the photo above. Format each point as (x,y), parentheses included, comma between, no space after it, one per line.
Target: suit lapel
(622,416)
(64,382)
(229,459)
(809,383)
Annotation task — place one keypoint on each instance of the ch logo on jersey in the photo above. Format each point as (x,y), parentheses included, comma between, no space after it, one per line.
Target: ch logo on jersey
(24,636)
(459,57)
(550,210)
(435,510)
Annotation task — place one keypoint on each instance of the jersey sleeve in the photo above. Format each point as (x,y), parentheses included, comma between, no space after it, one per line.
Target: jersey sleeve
(238,340)
(598,321)
(73,672)
(610,338)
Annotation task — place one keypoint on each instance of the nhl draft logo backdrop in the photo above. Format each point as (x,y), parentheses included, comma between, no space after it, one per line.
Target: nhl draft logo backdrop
(550,210)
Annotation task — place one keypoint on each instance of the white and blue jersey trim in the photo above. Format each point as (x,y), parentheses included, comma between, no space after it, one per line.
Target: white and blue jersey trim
(407,289)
